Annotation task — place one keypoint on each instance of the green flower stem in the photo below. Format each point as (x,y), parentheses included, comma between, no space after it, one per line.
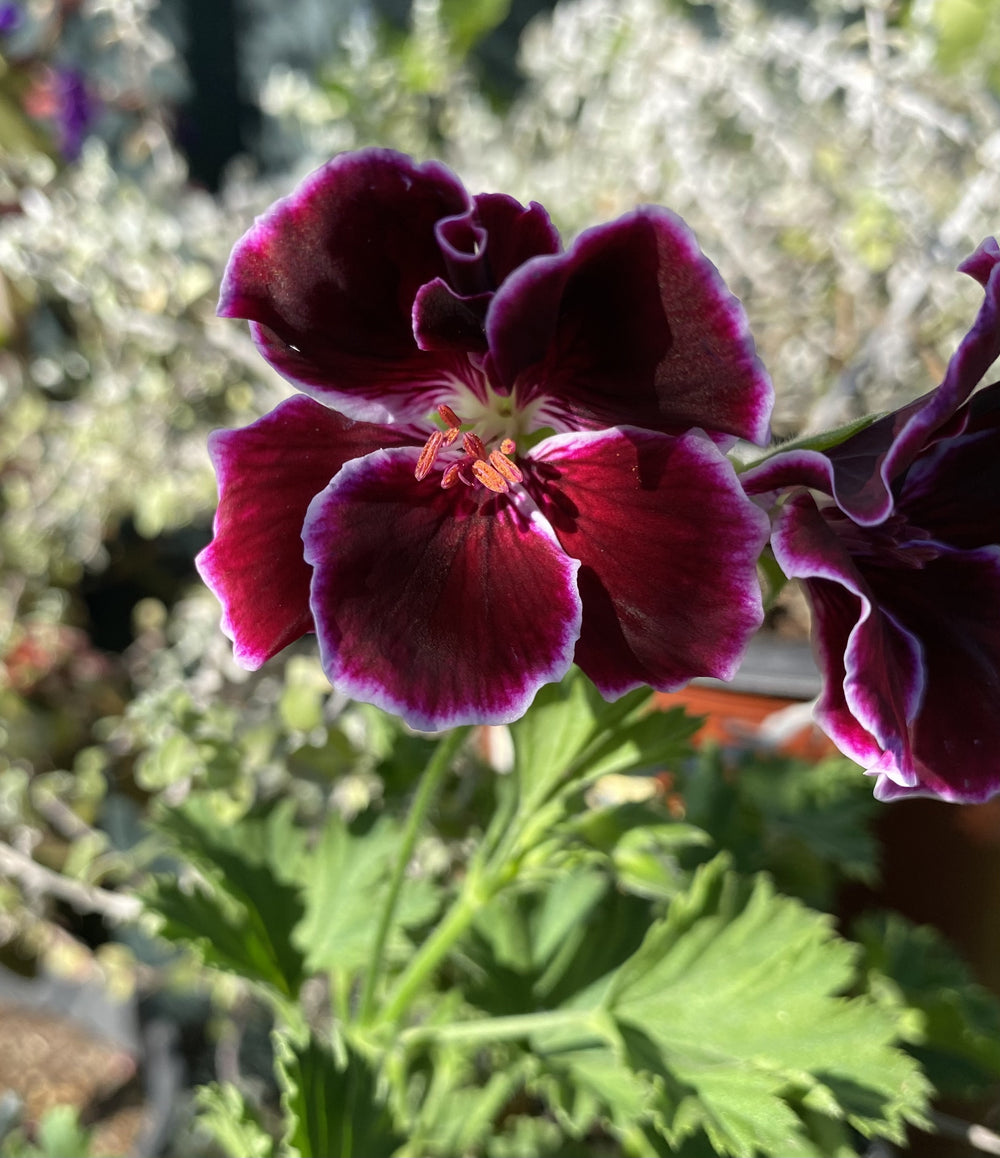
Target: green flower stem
(433,951)
(427,790)
(492,1029)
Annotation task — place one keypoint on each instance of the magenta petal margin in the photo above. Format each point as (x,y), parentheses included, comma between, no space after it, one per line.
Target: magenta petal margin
(899,555)
(449,562)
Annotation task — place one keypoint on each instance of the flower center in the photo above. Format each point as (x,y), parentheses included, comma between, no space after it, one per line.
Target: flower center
(478,466)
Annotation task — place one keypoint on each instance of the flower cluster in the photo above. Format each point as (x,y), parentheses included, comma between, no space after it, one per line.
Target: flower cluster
(900,559)
(506,457)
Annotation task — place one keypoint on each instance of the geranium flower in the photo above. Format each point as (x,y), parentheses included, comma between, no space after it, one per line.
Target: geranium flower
(901,565)
(493,464)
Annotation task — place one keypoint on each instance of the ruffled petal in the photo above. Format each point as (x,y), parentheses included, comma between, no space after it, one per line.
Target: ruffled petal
(481,248)
(873,672)
(861,472)
(910,653)
(268,474)
(668,545)
(443,606)
(952,605)
(633,325)
(328,276)
(953,491)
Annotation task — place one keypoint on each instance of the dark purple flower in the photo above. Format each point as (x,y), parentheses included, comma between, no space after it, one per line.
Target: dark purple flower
(902,570)
(498,469)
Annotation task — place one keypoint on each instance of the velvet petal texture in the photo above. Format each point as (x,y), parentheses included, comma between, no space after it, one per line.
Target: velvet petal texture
(424,317)
(443,606)
(268,473)
(902,567)
(908,633)
(631,326)
(363,285)
(668,545)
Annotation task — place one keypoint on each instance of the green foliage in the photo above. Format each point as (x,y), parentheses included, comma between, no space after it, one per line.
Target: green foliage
(572,733)
(809,825)
(953,1023)
(968,37)
(331,1103)
(242,911)
(344,881)
(733,1003)
(224,1113)
(58,1135)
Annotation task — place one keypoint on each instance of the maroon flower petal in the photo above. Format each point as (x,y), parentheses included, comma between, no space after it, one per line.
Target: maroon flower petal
(873,676)
(514,233)
(480,248)
(668,545)
(910,653)
(953,491)
(633,325)
(952,605)
(443,606)
(328,276)
(268,474)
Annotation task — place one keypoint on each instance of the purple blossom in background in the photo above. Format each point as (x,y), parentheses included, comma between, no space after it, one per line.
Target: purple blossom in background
(498,462)
(10,18)
(75,111)
(62,97)
(901,564)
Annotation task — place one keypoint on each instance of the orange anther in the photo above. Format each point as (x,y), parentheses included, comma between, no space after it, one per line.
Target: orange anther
(508,446)
(474,445)
(452,476)
(504,466)
(428,455)
(449,417)
(490,477)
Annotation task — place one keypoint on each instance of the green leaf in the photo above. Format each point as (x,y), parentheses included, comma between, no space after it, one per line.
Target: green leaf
(552,948)
(956,1034)
(224,1113)
(345,879)
(732,1002)
(58,1134)
(808,825)
(458,1110)
(332,1105)
(572,732)
(242,917)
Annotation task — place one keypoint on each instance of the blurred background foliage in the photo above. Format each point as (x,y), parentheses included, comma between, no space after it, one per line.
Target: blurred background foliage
(836,158)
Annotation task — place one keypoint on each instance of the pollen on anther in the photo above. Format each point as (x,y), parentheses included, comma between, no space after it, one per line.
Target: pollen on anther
(452,476)
(508,446)
(428,455)
(449,417)
(490,477)
(474,445)
(510,471)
